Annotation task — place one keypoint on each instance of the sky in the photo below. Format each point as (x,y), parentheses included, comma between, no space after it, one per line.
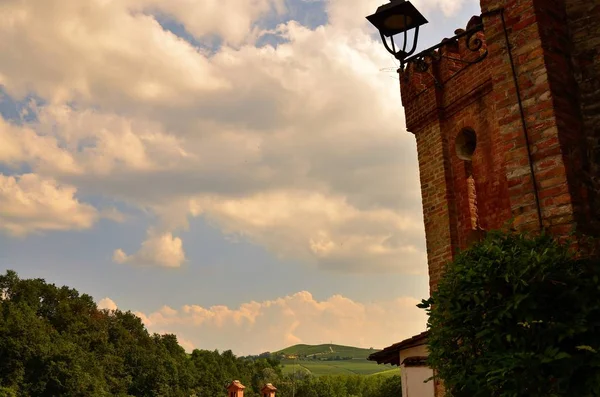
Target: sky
(235,172)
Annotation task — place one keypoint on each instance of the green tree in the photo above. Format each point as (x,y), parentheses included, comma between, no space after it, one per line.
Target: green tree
(55,341)
(339,386)
(391,386)
(517,316)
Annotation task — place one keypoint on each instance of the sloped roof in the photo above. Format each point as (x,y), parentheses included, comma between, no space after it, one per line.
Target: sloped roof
(268,386)
(236,385)
(391,354)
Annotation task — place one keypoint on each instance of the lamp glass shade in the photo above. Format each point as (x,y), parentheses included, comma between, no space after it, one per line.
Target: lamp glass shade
(397,22)
(390,18)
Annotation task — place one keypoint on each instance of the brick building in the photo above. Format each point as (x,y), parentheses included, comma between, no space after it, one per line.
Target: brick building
(496,146)
(506,116)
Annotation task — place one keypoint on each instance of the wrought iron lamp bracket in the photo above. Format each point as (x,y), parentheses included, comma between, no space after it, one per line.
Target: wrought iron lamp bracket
(423,60)
(401,54)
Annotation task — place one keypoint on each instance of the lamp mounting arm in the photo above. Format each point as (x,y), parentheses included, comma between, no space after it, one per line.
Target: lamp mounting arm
(402,54)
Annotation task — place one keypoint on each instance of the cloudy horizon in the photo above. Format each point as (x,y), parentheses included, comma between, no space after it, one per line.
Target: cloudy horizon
(235,172)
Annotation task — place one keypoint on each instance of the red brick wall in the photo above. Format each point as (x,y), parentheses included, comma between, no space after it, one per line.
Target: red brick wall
(584,35)
(486,167)
(554,45)
(536,100)
(437,114)
(437,197)
(567,148)
(542,50)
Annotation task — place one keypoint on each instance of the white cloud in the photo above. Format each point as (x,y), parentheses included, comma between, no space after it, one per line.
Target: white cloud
(29,203)
(113,214)
(350,14)
(299,148)
(158,250)
(186,344)
(22,145)
(231,20)
(326,230)
(448,7)
(106,144)
(255,327)
(107,303)
(98,49)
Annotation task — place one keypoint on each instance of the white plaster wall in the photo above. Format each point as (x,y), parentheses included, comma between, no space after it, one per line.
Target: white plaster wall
(414,351)
(413,377)
(413,382)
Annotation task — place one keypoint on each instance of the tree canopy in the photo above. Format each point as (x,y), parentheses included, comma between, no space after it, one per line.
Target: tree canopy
(517,315)
(55,341)
(303,385)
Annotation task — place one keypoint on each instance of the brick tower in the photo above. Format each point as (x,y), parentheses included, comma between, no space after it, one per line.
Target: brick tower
(506,115)
(507,121)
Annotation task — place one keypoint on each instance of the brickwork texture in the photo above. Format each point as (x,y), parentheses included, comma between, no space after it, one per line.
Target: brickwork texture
(537,156)
(536,162)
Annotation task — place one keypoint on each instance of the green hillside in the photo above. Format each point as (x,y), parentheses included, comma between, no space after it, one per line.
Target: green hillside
(330,359)
(326,351)
(348,367)
(387,372)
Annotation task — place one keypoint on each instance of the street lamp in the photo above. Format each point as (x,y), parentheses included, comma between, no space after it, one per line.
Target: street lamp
(398,16)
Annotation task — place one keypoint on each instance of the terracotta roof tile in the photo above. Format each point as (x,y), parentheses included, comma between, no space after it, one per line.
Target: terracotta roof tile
(269,386)
(236,385)
(391,354)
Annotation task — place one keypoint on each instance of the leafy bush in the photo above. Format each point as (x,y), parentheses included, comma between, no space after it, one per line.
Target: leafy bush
(517,316)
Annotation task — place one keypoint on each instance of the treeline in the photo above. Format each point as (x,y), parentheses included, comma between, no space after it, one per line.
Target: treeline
(55,341)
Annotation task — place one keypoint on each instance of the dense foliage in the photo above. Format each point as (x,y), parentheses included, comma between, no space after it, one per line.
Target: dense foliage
(517,316)
(56,342)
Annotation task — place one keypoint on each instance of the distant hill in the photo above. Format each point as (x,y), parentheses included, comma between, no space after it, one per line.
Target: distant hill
(330,359)
(326,351)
